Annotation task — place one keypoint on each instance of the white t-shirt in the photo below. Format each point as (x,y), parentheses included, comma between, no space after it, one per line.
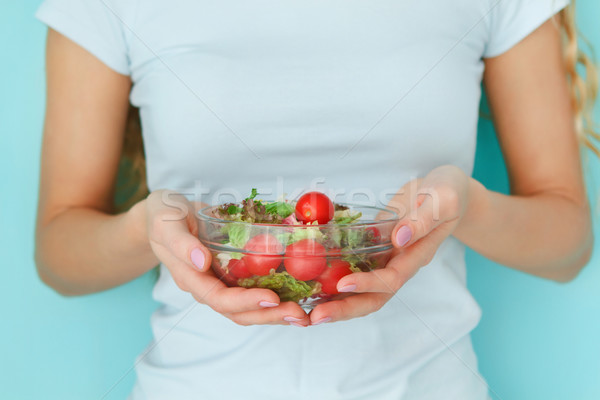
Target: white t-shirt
(278,95)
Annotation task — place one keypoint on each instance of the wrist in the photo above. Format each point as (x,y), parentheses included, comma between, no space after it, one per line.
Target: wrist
(477,203)
(135,226)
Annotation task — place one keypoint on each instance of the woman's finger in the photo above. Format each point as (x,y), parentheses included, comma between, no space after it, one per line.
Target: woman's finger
(435,205)
(350,307)
(416,225)
(228,300)
(287,313)
(172,223)
(440,197)
(186,247)
(403,266)
(210,290)
(207,289)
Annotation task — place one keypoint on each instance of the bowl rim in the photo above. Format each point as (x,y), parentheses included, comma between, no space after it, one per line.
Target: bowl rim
(395,218)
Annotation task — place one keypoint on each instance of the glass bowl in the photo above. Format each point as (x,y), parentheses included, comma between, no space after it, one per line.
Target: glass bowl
(301,263)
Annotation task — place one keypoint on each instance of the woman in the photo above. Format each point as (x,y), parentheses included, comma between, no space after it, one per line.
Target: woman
(378,97)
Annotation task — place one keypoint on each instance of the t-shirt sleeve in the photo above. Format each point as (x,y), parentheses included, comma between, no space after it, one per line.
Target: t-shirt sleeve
(94,25)
(510,21)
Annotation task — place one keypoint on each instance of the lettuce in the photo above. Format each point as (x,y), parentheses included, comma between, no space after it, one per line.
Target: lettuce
(346,216)
(280,208)
(354,260)
(333,237)
(233,209)
(306,233)
(254,211)
(353,237)
(283,237)
(238,234)
(253,194)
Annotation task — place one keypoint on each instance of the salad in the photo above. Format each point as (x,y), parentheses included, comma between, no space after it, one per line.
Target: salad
(298,249)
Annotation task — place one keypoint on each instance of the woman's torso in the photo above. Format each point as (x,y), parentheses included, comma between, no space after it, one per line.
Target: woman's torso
(362,94)
(281,95)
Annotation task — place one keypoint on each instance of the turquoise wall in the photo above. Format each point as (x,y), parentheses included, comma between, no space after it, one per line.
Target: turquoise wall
(537,340)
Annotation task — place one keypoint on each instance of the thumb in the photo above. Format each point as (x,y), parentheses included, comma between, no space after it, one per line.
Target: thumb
(418,223)
(185,246)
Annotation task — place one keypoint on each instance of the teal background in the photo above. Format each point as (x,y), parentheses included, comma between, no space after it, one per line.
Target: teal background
(537,340)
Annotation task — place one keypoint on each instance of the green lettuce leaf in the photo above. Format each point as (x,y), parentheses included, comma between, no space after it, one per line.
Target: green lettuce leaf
(280,208)
(306,233)
(283,237)
(333,237)
(354,237)
(233,209)
(346,216)
(253,194)
(353,261)
(238,234)
(348,219)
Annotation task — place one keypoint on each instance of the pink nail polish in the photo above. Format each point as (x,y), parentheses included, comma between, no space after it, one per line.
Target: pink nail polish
(347,288)
(198,259)
(322,321)
(296,324)
(403,235)
(292,319)
(267,304)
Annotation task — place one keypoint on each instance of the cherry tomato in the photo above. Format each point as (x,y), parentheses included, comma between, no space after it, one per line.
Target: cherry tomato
(314,206)
(336,270)
(305,259)
(238,268)
(272,251)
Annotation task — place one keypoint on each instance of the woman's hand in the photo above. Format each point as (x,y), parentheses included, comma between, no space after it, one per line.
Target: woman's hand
(430,209)
(172,230)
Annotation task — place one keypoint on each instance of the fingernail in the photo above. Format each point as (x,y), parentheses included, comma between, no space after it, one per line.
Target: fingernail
(198,258)
(292,319)
(298,325)
(322,321)
(403,235)
(267,304)
(347,288)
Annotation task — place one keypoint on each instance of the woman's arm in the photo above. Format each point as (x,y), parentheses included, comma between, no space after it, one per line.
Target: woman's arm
(544,227)
(80,248)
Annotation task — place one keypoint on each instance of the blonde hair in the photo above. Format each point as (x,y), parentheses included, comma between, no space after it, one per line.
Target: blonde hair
(132,185)
(583,88)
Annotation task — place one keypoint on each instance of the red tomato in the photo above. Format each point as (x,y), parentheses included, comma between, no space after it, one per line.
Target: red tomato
(314,206)
(336,270)
(272,251)
(305,259)
(238,268)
